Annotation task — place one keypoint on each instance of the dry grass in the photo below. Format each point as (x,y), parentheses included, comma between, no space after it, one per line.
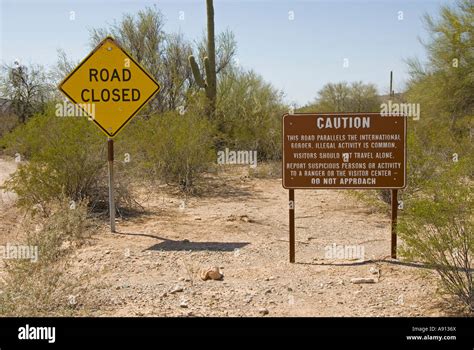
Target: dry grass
(43,287)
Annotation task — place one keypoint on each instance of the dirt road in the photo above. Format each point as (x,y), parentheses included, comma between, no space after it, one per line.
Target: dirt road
(7,167)
(152,266)
(8,214)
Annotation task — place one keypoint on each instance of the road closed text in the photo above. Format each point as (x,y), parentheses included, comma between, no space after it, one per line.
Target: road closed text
(109,94)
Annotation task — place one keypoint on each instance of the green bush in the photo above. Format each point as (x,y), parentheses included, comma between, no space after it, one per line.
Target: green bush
(433,149)
(171,147)
(61,156)
(345,97)
(7,123)
(249,112)
(437,222)
(438,230)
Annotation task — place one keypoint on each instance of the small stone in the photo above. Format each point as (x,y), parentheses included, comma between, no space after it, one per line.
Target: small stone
(176,289)
(212,273)
(263,311)
(183,304)
(197,218)
(231,218)
(375,271)
(363,280)
(244,218)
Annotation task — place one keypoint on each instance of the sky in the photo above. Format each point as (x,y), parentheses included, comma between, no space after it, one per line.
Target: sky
(297,45)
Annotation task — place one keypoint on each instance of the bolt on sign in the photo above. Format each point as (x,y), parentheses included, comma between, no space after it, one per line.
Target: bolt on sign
(344,150)
(110,83)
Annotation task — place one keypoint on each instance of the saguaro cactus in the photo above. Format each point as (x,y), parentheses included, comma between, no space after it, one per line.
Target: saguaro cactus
(209,82)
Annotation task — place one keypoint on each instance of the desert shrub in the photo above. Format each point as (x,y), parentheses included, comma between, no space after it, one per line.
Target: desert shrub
(174,147)
(345,97)
(372,199)
(437,222)
(7,123)
(433,148)
(249,112)
(60,156)
(267,170)
(438,230)
(26,88)
(30,290)
(42,287)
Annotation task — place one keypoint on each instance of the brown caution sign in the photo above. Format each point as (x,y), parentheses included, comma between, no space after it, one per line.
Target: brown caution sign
(344,150)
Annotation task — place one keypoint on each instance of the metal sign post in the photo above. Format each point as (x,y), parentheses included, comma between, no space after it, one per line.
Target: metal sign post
(292,225)
(394,223)
(110,87)
(110,160)
(394,196)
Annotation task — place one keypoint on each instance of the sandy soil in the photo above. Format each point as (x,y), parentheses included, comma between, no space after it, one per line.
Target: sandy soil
(7,167)
(152,266)
(8,213)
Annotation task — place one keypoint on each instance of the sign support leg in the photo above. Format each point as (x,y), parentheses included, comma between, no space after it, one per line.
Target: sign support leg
(394,223)
(110,159)
(292,225)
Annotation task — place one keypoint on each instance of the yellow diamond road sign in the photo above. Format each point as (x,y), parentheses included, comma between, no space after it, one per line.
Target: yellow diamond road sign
(110,86)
